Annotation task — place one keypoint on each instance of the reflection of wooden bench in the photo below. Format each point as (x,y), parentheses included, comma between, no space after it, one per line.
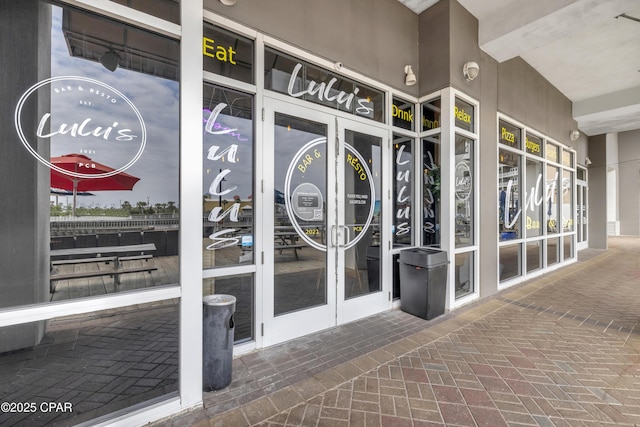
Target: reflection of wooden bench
(115,270)
(295,247)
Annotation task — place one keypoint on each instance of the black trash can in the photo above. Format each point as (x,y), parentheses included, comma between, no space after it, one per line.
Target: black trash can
(217,343)
(423,281)
(373,267)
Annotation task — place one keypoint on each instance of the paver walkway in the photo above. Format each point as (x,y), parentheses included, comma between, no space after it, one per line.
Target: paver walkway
(559,350)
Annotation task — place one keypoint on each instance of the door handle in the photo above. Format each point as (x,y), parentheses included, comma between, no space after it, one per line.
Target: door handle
(336,242)
(347,235)
(334,235)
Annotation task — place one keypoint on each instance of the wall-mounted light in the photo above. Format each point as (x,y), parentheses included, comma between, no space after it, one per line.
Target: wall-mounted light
(110,60)
(410,79)
(574,134)
(587,161)
(470,70)
(228,2)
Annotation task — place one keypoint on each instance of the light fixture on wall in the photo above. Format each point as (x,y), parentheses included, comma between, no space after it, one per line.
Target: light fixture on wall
(410,79)
(470,70)
(110,60)
(228,2)
(574,134)
(587,161)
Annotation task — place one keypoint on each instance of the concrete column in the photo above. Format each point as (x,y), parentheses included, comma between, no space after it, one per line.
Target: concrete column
(597,206)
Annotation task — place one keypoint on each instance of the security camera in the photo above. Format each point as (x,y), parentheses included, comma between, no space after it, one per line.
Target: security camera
(338,66)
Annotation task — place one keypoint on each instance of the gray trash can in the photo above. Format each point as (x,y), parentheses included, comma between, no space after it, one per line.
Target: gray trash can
(217,343)
(423,281)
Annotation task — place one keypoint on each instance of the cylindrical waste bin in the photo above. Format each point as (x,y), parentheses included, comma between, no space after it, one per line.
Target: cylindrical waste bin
(373,267)
(423,281)
(217,343)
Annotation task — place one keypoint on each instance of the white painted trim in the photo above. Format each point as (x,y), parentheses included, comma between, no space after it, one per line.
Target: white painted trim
(33,313)
(191,146)
(230,83)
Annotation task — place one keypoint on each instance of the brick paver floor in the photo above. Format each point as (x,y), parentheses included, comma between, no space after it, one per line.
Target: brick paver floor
(559,350)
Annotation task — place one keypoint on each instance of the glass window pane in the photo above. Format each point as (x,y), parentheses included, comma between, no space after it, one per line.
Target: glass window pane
(227,118)
(510,264)
(567,158)
(403,114)
(568,248)
(298,79)
(510,135)
(464,283)
(165,9)
(464,188)
(96,157)
(534,198)
(551,152)
(567,201)
(534,255)
(431,112)
(91,364)
(533,145)
(552,199)
(553,251)
(464,117)
(510,208)
(402,190)
(431,205)
(227,54)
(242,287)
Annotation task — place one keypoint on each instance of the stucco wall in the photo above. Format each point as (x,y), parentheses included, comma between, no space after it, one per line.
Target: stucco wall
(629,182)
(376,38)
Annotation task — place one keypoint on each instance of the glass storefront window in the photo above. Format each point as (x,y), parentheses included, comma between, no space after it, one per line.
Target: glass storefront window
(91,364)
(431,113)
(464,283)
(567,158)
(96,146)
(165,9)
(534,198)
(431,205)
(299,79)
(464,191)
(227,54)
(552,200)
(228,230)
(551,152)
(402,190)
(464,115)
(510,263)
(533,145)
(567,200)
(534,255)
(567,247)
(510,135)
(242,287)
(553,251)
(402,113)
(510,208)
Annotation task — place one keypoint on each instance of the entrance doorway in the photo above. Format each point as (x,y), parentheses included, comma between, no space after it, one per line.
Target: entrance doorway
(322,258)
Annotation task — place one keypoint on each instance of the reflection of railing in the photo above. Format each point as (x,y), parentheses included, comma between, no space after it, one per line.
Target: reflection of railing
(60,226)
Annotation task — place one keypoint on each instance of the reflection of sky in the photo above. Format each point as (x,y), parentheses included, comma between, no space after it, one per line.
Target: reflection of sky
(156,99)
(288,142)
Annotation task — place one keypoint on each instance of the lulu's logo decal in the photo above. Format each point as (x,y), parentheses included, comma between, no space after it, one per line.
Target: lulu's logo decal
(86,116)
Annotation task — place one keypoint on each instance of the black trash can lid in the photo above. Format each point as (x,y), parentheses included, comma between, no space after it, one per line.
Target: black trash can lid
(219,299)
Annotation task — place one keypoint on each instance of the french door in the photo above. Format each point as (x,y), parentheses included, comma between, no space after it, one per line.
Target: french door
(322,239)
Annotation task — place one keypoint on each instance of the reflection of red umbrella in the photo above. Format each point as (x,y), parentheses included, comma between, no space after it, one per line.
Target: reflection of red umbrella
(76,172)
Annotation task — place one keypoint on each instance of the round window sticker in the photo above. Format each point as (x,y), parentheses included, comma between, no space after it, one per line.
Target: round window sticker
(307,202)
(463,181)
(304,197)
(87,117)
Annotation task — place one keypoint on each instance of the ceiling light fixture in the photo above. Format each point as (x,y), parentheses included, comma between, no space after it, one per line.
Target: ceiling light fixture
(110,60)
(410,78)
(574,134)
(228,2)
(470,70)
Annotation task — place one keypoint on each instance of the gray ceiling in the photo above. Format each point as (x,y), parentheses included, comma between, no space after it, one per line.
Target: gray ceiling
(585,48)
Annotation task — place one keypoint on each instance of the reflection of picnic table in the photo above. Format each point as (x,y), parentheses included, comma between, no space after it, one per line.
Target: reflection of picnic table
(109,255)
(287,238)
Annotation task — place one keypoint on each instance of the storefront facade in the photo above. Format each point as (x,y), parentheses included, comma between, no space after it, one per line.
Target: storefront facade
(160,156)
